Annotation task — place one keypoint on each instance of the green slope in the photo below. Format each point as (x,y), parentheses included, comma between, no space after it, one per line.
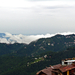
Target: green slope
(56,43)
(21,65)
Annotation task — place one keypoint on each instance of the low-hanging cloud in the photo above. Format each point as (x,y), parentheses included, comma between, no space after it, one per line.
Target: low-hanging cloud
(27,38)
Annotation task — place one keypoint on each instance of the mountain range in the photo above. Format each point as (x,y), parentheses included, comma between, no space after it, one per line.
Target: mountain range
(26,59)
(20,38)
(56,43)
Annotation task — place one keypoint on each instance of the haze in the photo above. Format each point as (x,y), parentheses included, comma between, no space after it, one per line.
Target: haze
(32,17)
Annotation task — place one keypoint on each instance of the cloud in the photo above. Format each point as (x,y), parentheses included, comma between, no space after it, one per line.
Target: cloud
(4,40)
(33,3)
(50,0)
(15,3)
(57,7)
(36,17)
(27,39)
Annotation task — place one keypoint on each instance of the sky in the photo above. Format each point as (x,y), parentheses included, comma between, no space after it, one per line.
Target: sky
(37,17)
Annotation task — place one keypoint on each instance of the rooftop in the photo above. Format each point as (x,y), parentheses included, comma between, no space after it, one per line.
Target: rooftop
(70,61)
(48,70)
(66,68)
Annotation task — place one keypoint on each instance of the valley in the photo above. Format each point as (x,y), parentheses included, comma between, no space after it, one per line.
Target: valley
(27,59)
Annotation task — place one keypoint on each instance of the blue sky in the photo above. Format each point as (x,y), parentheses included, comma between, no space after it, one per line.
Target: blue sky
(32,17)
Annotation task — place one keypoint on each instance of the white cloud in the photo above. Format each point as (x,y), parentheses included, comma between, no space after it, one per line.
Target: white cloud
(27,39)
(14,3)
(3,40)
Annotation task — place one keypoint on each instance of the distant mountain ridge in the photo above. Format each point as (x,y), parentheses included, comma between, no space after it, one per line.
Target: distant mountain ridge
(27,59)
(2,35)
(56,43)
(12,38)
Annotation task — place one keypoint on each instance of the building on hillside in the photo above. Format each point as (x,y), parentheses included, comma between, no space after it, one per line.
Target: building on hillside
(66,68)
(48,70)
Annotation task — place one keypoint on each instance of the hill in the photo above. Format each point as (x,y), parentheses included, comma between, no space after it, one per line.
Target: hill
(21,65)
(55,44)
(27,59)
(6,49)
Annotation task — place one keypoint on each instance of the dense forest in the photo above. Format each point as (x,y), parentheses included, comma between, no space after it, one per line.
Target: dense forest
(27,59)
(22,65)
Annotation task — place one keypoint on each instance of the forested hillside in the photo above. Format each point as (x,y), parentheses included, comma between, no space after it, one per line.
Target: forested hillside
(56,43)
(21,65)
(10,48)
(23,59)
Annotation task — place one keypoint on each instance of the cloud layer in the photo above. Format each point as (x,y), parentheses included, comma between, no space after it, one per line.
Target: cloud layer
(9,38)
